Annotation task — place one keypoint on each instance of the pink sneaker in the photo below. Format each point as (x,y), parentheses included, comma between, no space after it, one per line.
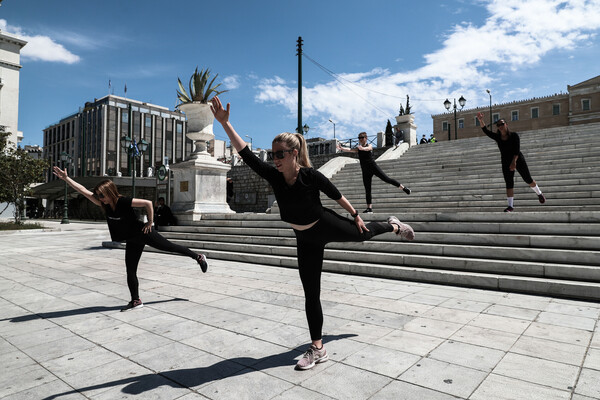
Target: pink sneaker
(311,357)
(404,230)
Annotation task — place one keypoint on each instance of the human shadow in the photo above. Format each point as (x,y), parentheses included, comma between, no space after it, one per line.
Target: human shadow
(191,377)
(78,311)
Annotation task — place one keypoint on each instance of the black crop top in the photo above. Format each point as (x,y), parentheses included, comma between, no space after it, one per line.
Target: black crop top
(122,222)
(508,148)
(300,203)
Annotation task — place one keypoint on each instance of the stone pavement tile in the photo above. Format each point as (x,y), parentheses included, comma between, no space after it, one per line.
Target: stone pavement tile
(250,351)
(382,360)
(550,350)
(246,384)
(503,388)
(26,377)
(592,359)
(118,373)
(596,339)
(283,366)
(166,357)
(94,322)
(43,336)
(578,310)
(450,315)
(133,315)
(365,332)
(215,341)
(432,327)
(444,377)
(512,312)
(467,355)
(442,291)
(346,383)
(58,348)
(465,305)
(84,360)
(47,390)
(567,320)
(113,334)
(14,360)
(525,301)
(559,333)
(485,337)
(407,307)
(158,323)
(276,298)
(536,370)
(392,293)
(378,317)
(499,323)
(132,345)
(184,330)
(339,347)
(398,390)
(298,392)
(192,396)
(589,383)
(409,342)
(285,335)
(150,386)
(425,299)
(91,299)
(580,397)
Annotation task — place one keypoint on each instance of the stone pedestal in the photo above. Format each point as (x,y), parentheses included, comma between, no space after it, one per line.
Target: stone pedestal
(199,187)
(406,123)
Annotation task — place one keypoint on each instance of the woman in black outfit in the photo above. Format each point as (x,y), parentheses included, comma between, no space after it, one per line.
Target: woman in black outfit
(296,186)
(370,168)
(124,226)
(512,159)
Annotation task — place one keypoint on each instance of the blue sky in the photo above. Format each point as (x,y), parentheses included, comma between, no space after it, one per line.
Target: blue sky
(379,51)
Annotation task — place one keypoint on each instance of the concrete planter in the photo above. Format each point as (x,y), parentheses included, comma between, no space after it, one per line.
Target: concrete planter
(199,126)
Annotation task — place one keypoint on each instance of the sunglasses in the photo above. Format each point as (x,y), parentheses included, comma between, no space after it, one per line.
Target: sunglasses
(362,137)
(279,154)
(499,124)
(98,195)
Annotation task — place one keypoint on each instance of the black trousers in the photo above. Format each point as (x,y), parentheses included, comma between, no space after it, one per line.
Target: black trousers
(332,227)
(133,252)
(368,170)
(522,169)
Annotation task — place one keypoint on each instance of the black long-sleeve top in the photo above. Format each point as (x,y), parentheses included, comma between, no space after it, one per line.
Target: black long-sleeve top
(299,203)
(508,148)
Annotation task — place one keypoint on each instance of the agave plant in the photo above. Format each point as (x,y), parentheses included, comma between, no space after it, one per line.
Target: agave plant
(200,90)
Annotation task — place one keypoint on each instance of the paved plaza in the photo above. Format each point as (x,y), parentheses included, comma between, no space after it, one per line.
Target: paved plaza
(237,331)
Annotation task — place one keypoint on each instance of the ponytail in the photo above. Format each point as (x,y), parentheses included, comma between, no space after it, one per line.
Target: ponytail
(295,141)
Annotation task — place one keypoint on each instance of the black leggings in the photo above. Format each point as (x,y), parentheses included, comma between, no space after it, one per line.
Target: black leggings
(368,170)
(311,246)
(509,176)
(133,252)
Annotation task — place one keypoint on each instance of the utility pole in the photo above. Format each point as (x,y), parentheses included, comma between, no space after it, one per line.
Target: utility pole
(299,54)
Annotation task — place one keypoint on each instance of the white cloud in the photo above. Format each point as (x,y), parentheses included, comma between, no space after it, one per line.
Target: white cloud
(523,31)
(40,48)
(231,82)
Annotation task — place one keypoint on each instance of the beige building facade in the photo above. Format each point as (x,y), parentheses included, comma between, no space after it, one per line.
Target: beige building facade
(580,105)
(10,67)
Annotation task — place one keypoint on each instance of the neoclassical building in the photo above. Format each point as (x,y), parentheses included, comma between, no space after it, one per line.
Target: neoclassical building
(10,67)
(580,105)
(92,137)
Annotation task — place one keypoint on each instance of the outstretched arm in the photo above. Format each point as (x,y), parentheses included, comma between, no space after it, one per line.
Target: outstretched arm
(222,115)
(62,174)
(346,149)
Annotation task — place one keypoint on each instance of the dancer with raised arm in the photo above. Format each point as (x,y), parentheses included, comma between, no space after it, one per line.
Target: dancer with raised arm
(369,168)
(124,226)
(296,186)
(512,159)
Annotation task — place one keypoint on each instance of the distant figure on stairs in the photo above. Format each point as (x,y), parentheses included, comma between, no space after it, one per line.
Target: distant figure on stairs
(424,140)
(512,159)
(370,168)
(297,186)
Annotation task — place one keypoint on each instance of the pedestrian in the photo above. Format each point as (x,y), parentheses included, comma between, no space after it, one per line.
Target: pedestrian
(296,186)
(423,140)
(398,136)
(163,216)
(509,145)
(369,168)
(124,225)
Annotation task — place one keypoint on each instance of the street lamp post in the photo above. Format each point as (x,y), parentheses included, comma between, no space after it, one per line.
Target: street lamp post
(447,104)
(66,161)
(134,151)
(250,137)
(333,127)
(305,128)
(490,93)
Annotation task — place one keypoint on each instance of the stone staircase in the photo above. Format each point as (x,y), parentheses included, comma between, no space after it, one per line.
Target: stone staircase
(462,236)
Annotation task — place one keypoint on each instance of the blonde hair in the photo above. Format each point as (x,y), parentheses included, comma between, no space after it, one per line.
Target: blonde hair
(295,141)
(108,189)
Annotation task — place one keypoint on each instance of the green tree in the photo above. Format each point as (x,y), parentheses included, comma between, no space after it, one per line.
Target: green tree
(389,134)
(18,170)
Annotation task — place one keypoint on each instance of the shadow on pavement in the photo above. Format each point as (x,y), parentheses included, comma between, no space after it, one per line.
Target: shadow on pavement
(78,311)
(192,377)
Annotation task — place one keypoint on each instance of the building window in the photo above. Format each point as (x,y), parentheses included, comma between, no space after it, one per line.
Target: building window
(585,104)
(555,109)
(125,117)
(444,125)
(461,123)
(514,115)
(495,117)
(476,121)
(535,112)
(148,121)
